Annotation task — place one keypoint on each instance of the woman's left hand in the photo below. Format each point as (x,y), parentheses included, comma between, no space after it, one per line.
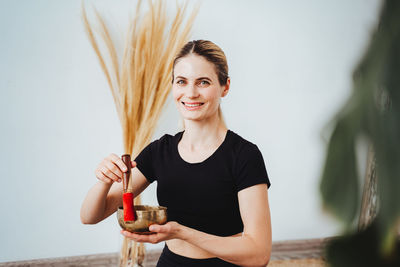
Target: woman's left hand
(163,232)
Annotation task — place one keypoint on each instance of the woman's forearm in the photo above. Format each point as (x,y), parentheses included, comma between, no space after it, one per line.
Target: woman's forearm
(252,248)
(103,199)
(94,205)
(241,250)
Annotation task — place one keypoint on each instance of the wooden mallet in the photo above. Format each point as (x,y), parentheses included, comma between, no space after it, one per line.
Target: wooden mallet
(127,197)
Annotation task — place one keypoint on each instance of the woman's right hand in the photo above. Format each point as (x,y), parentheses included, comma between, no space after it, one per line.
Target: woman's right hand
(111,169)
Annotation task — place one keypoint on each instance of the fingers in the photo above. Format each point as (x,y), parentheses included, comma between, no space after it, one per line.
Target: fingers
(100,175)
(103,173)
(157,228)
(117,161)
(111,169)
(161,233)
(152,238)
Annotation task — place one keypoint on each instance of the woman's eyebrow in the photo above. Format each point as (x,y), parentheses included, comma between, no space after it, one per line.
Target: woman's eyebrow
(204,78)
(180,77)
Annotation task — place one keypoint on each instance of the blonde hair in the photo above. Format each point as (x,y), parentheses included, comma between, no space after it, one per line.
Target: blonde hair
(212,53)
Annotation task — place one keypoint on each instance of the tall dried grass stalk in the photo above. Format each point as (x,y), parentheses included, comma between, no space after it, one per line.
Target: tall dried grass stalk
(140,81)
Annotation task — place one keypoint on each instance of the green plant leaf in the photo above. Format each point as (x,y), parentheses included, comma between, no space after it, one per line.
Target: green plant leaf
(339,185)
(383,120)
(360,249)
(373,111)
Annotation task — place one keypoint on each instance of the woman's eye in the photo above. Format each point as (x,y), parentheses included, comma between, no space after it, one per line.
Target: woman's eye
(180,82)
(204,82)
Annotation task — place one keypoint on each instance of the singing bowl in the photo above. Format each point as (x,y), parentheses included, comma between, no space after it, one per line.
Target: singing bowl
(145,216)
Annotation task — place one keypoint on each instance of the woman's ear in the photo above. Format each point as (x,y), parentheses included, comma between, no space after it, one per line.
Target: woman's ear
(226,87)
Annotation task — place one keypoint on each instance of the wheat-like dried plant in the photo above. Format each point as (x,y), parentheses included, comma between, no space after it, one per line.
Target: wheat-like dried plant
(141,80)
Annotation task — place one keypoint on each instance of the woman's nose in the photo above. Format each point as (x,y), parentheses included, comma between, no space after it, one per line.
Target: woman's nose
(192,91)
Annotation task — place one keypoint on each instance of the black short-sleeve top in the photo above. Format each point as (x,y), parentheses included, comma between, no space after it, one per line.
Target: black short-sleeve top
(203,195)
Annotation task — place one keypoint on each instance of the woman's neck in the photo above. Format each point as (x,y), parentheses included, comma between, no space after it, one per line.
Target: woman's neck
(200,134)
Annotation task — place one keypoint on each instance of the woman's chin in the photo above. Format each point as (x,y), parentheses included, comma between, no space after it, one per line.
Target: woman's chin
(190,114)
(192,117)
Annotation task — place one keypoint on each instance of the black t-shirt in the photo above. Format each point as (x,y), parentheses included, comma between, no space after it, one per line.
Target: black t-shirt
(203,195)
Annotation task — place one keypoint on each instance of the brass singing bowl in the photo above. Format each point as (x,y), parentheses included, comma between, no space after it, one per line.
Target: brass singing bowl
(145,216)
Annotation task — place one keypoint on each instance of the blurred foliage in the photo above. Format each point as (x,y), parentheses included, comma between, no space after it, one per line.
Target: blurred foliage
(372,112)
(360,249)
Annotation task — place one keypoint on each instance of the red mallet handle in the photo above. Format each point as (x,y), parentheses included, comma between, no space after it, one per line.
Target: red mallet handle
(129,210)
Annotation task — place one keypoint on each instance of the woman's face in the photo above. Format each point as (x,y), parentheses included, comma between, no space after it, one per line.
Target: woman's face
(196,89)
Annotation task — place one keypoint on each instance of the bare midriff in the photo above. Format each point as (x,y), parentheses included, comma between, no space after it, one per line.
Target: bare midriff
(186,249)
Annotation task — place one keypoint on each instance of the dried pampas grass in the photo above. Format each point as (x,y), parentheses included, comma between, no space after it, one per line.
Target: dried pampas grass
(141,80)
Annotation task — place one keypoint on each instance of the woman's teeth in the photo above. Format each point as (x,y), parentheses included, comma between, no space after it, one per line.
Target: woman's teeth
(192,105)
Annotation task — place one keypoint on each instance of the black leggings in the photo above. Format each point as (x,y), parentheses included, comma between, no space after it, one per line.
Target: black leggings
(170,259)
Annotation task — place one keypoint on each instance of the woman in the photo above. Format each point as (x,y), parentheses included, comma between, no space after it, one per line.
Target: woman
(213,182)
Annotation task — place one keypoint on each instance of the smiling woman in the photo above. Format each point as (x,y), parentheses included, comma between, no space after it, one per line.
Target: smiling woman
(208,61)
(289,74)
(213,182)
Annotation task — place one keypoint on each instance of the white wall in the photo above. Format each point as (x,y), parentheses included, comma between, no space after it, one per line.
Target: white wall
(290,65)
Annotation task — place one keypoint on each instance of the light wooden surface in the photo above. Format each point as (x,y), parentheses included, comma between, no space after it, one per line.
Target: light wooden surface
(297,263)
(284,253)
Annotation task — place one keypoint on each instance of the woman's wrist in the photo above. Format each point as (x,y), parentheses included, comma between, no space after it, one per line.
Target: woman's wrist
(103,188)
(183,232)
(104,185)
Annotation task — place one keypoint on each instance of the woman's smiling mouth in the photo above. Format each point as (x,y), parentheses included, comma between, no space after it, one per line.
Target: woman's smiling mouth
(192,105)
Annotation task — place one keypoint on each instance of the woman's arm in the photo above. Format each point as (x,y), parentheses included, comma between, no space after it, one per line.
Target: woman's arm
(253,248)
(104,198)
